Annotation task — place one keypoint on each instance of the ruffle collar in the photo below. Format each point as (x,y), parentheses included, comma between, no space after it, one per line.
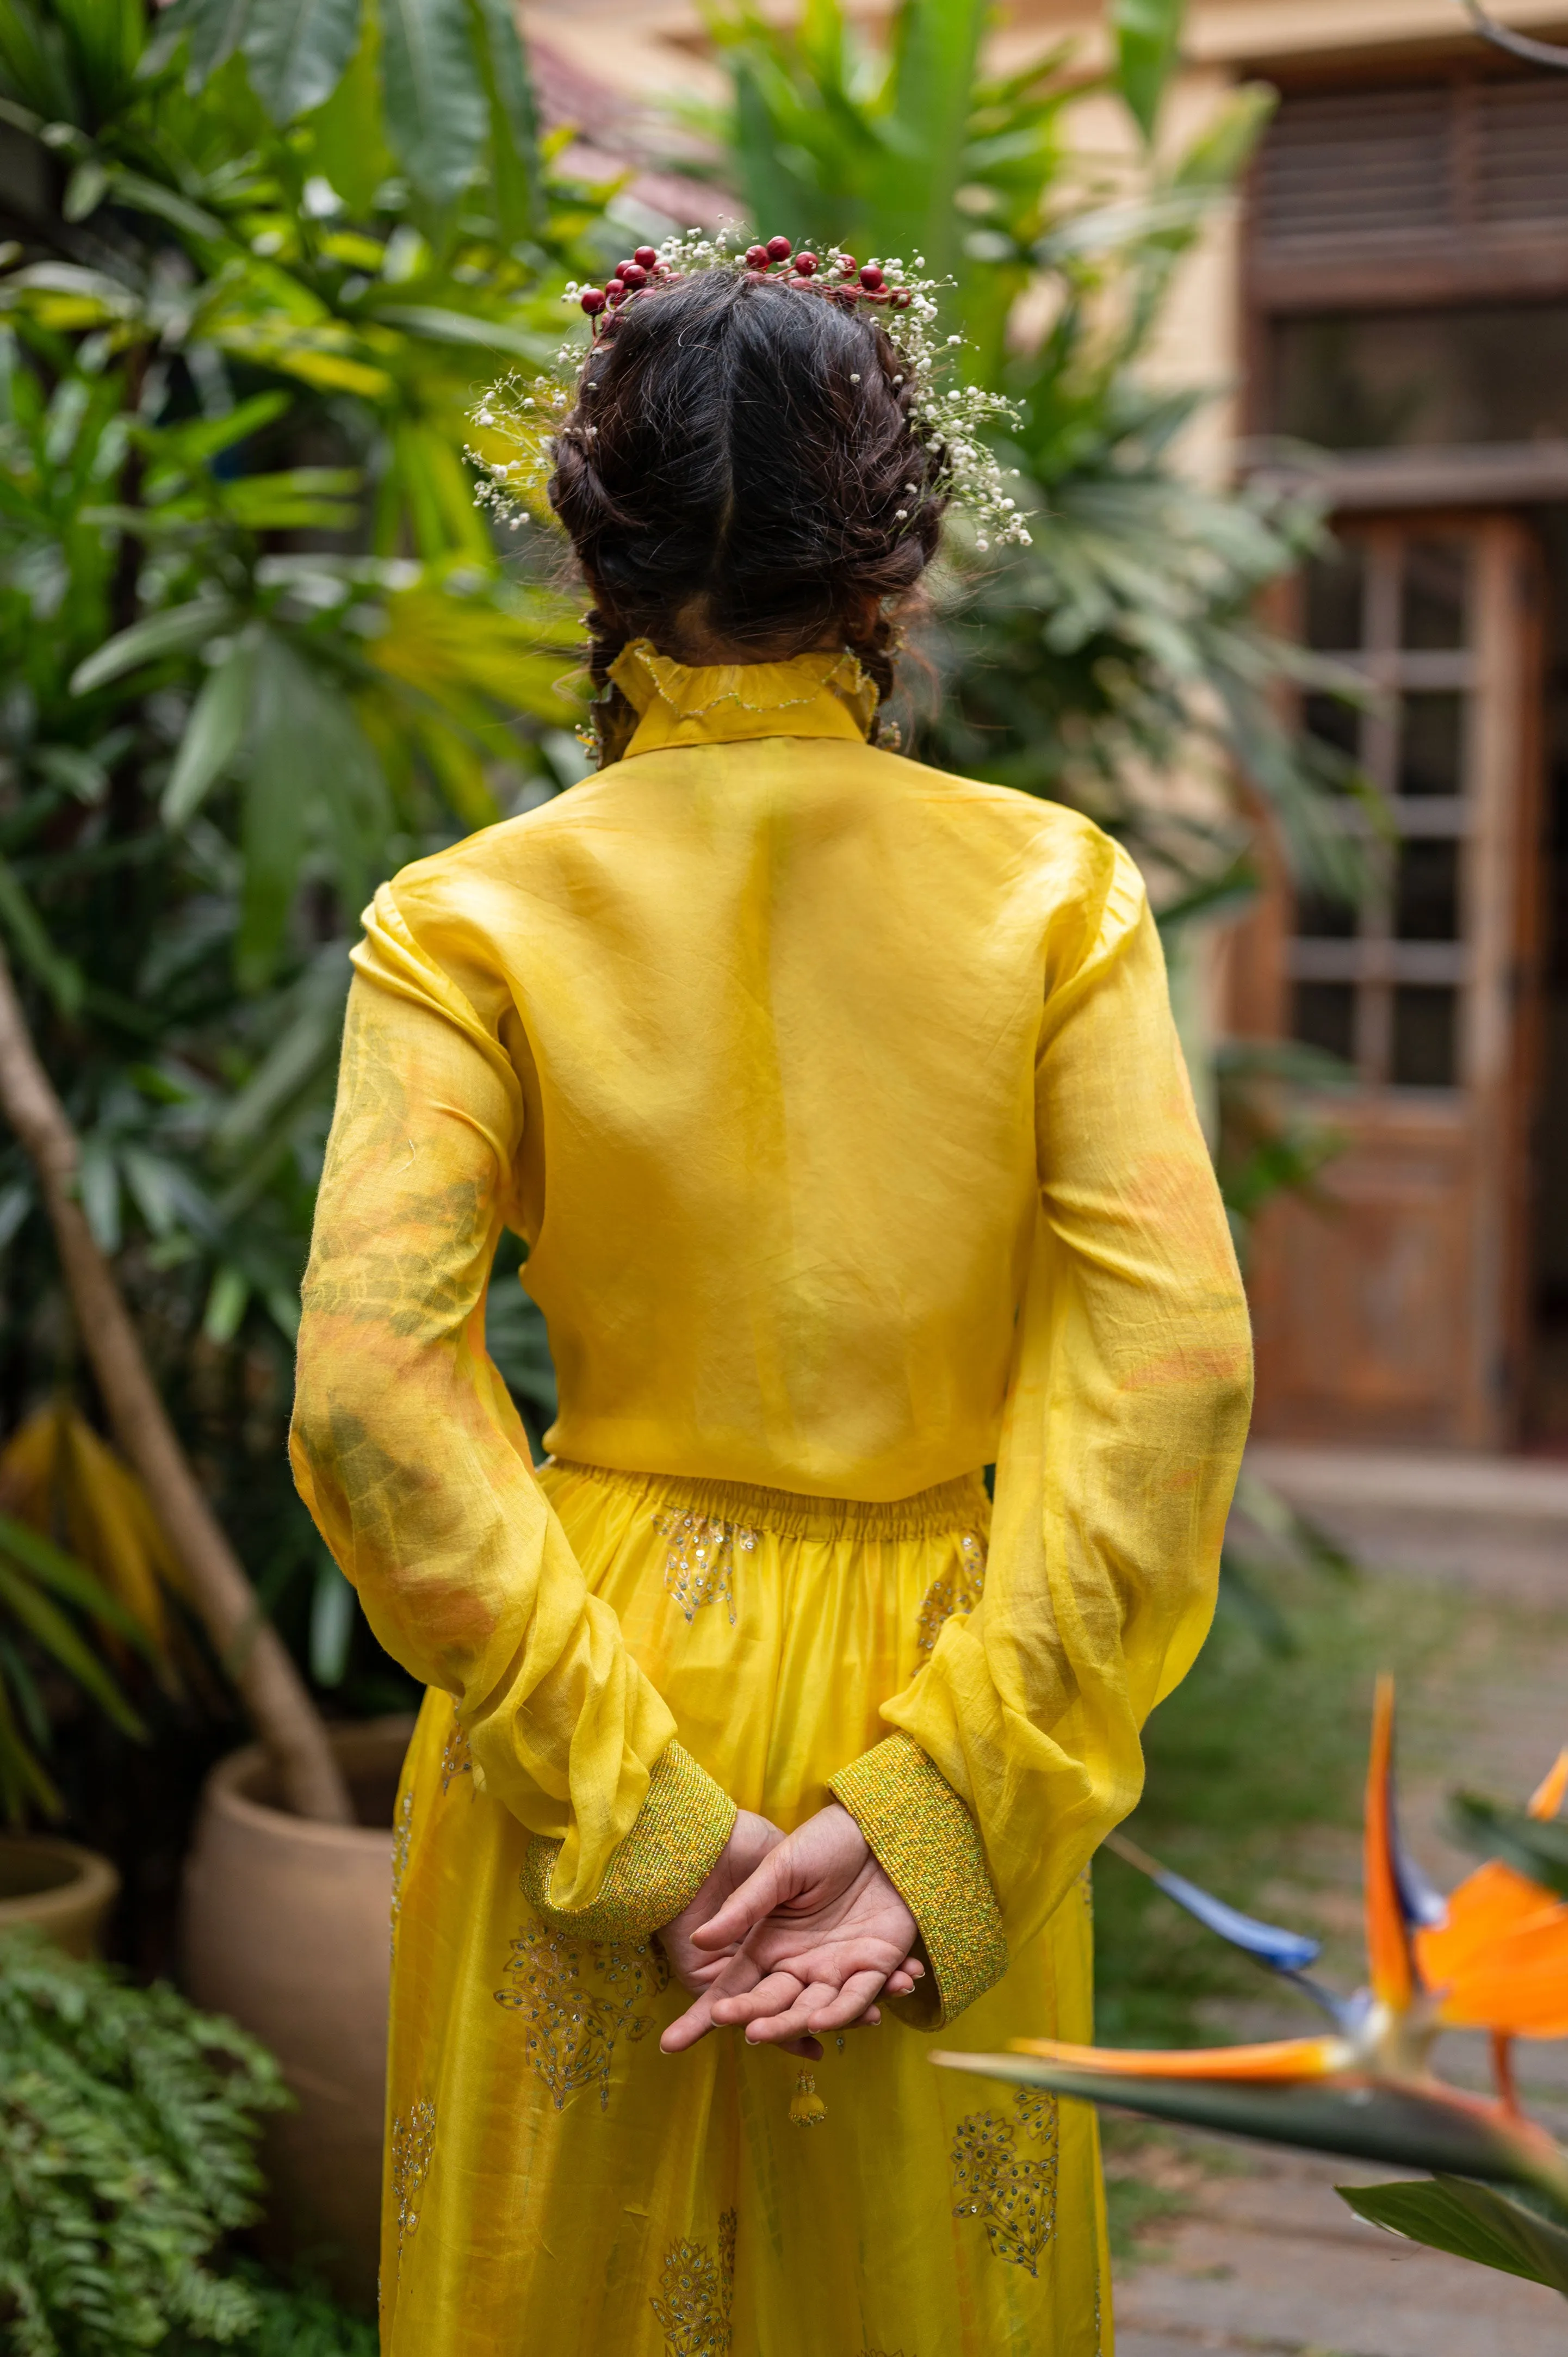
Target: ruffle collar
(700,699)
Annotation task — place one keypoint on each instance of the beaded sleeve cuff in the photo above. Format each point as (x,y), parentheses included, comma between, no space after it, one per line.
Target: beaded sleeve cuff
(658,1869)
(925,1841)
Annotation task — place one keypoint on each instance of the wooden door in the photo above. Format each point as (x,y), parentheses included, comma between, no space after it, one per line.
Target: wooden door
(1394,1313)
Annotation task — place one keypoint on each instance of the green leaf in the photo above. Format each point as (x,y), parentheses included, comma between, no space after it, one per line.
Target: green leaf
(1536,1847)
(435,112)
(66,1577)
(1225,144)
(937,42)
(514,120)
(61,975)
(348,134)
(332,1613)
(85,190)
(48,1627)
(213,735)
(215,28)
(296,498)
(22,1777)
(198,439)
(1473,2222)
(298,50)
(226,1303)
(1147,34)
(1365,2117)
(282,754)
(439,326)
(173,632)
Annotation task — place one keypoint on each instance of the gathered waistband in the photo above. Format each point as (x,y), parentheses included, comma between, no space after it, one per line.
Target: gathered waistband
(958,1505)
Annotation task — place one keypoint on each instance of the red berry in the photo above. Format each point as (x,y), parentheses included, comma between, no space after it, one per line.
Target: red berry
(806,263)
(647,255)
(871,277)
(756,257)
(615,292)
(632,274)
(901,298)
(778,249)
(848,264)
(592,301)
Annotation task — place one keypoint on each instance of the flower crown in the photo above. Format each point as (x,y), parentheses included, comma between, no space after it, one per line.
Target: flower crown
(949,420)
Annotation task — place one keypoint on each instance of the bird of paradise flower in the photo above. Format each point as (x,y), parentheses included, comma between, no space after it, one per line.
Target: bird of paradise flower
(1492,1955)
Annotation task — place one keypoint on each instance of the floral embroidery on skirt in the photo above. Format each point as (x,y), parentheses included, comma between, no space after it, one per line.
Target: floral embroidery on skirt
(699,1566)
(1012,2191)
(578,2003)
(695,2295)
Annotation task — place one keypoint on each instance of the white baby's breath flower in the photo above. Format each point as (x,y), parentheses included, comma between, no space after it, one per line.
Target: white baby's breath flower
(949,422)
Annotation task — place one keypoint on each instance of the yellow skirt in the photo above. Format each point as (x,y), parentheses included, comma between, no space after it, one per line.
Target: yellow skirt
(556,2186)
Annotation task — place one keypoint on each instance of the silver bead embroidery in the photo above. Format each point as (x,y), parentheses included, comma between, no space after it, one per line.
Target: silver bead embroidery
(577,2002)
(1012,2190)
(456,1759)
(696,2294)
(402,1845)
(413,2144)
(699,1566)
(958,1592)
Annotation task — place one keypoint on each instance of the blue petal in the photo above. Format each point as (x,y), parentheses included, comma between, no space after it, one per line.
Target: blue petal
(1284,1952)
(1422,1904)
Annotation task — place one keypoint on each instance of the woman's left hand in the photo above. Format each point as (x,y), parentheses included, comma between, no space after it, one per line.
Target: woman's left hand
(696,1968)
(821,1933)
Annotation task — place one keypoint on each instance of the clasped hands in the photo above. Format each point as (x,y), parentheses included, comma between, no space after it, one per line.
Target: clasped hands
(790,1934)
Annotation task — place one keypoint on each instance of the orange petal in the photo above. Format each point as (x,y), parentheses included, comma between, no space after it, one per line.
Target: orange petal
(1388,1942)
(1283,2058)
(1516,1981)
(1487,1907)
(1547,1797)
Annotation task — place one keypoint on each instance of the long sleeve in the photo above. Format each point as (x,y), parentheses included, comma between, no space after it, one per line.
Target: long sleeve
(1128,1400)
(412,1459)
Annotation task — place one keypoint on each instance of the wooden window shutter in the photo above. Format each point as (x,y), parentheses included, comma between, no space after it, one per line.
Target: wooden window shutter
(1427,193)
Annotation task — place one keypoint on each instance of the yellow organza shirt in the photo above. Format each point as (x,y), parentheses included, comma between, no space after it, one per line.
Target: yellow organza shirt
(840,1106)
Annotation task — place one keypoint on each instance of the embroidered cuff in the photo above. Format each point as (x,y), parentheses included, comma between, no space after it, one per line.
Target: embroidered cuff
(925,1841)
(658,1869)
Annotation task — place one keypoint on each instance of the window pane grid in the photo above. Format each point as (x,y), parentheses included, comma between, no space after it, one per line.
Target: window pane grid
(1379,985)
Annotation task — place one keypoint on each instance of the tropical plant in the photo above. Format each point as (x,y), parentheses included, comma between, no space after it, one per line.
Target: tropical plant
(1123,647)
(258,645)
(56,1615)
(128,2124)
(1492,1955)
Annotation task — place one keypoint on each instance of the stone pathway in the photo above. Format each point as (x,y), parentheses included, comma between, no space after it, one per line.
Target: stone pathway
(1267,2260)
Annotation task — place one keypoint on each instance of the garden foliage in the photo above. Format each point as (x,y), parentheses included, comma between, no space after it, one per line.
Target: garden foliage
(258,648)
(128,2124)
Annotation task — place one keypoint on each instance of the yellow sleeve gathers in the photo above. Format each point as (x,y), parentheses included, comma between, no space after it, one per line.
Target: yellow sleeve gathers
(411,1457)
(1127,1408)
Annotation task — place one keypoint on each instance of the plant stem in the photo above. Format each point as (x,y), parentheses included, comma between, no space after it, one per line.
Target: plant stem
(251,1651)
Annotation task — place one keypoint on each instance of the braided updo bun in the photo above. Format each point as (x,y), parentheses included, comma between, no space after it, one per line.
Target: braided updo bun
(740,470)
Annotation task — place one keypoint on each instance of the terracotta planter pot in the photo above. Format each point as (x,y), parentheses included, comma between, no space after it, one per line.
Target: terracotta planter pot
(287,1928)
(63,1891)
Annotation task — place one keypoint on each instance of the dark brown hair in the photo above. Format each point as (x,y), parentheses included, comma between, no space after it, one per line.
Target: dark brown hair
(742,465)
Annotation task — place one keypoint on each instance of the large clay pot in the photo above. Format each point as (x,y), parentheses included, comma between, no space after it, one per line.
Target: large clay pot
(288,1928)
(61,1890)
